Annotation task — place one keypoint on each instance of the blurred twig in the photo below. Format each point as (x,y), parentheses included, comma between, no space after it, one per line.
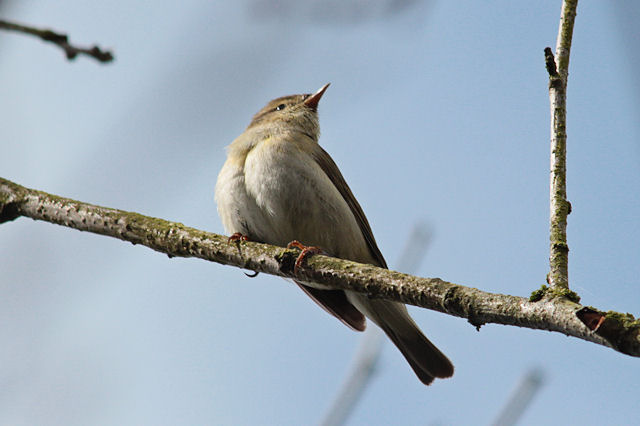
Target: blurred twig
(368,354)
(361,372)
(520,398)
(337,12)
(60,40)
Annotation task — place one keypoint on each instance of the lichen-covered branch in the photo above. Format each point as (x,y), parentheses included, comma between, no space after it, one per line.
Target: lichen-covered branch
(546,312)
(560,208)
(60,40)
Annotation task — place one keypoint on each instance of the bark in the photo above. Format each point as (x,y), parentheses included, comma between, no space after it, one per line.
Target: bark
(545,310)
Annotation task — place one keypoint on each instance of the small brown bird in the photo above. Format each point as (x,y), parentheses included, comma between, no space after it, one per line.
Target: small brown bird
(279,185)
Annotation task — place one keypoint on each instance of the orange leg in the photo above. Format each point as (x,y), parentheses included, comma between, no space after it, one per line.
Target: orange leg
(237,236)
(306,252)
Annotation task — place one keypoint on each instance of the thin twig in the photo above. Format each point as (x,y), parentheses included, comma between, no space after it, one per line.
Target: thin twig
(61,40)
(547,311)
(560,208)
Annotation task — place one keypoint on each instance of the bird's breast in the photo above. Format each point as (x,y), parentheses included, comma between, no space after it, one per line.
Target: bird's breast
(297,200)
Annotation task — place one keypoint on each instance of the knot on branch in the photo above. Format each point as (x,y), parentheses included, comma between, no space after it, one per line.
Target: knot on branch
(286,261)
(621,331)
(9,212)
(555,79)
(560,246)
(550,62)
(455,302)
(48,35)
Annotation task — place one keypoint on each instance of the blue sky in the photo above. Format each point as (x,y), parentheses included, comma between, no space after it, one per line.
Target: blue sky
(437,114)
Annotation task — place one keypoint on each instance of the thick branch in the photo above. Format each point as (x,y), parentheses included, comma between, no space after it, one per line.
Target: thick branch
(559,206)
(478,307)
(61,40)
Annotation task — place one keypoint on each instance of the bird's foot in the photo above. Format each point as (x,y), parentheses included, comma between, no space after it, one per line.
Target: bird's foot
(306,252)
(237,236)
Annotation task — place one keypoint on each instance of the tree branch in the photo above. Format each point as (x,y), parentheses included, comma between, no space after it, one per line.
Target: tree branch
(61,40)
(560,208)
(547,311)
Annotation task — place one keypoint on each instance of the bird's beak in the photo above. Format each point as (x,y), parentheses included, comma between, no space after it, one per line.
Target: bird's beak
(312,101)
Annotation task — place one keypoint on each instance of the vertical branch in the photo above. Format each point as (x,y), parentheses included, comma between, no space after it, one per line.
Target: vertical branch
(560,208)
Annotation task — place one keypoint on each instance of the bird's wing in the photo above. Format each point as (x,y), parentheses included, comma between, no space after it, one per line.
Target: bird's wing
(335,302)
(330,168)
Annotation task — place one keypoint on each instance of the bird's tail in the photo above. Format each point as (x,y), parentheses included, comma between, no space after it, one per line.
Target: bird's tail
(424,357)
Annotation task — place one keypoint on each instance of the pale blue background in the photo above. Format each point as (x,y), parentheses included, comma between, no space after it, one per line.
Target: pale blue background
(437,112)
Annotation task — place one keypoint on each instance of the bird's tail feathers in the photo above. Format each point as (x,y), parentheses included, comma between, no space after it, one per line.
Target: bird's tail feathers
(424,357)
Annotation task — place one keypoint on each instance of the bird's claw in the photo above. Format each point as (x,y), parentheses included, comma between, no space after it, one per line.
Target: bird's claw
(306,251)
(237,236)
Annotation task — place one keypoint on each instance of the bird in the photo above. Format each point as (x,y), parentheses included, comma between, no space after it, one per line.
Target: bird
(278,185)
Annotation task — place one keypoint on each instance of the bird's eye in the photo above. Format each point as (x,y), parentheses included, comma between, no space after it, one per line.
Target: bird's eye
(280,107)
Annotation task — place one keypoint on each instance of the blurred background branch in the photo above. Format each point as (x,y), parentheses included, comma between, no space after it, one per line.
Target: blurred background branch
(332,12)
(367,357)
(60,40)
(520,398)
